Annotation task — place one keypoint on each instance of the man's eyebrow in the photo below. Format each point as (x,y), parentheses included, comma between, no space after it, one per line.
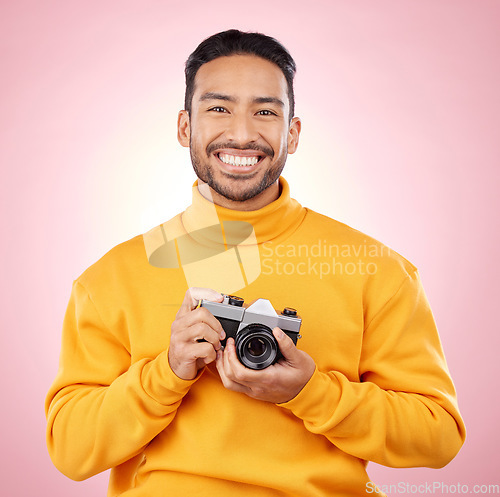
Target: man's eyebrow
(268,100)
(228,98)
(217,96)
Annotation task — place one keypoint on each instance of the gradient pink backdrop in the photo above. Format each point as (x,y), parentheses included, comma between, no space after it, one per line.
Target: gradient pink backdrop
(401,126)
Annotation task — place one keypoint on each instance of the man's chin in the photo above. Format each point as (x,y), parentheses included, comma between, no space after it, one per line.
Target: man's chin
(238,187)
(235,194)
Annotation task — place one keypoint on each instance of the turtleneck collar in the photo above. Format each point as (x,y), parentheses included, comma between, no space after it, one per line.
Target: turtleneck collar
(274,221)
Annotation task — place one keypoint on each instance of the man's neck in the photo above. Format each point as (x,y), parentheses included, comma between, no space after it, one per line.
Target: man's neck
(264,198)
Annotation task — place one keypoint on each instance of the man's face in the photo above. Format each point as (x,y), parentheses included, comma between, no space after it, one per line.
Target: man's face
(239,132)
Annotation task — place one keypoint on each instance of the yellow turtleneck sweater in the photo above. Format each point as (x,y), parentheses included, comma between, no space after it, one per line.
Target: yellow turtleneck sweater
(381,390)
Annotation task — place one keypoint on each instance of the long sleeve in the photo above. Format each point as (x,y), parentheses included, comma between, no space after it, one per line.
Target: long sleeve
(403,411)
(102,410)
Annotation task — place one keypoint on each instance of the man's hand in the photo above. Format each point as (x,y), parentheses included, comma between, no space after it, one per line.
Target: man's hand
(278,383)
(195,334)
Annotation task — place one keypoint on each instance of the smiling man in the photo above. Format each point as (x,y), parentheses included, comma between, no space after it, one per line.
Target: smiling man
(152,382)
(239,129)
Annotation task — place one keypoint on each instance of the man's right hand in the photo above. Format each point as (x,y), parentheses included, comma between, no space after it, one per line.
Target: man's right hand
(195,334)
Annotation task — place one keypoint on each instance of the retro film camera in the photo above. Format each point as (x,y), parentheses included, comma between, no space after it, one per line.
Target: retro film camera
(251,327)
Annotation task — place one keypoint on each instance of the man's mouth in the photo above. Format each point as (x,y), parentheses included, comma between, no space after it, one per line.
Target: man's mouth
(239,160)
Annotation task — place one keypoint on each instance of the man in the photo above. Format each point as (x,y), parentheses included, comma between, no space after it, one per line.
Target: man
(175,413)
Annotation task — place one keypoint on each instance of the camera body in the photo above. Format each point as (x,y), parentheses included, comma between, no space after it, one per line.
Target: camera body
(251,327)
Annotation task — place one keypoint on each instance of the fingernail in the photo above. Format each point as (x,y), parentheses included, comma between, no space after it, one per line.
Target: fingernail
(280,333)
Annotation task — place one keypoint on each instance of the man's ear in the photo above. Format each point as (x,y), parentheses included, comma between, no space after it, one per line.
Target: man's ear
(183,128)
(293,135)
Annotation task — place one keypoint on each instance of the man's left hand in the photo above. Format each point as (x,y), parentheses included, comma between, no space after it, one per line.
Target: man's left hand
(277,383)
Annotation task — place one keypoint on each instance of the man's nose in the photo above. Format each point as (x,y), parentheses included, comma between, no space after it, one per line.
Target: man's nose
(242,129)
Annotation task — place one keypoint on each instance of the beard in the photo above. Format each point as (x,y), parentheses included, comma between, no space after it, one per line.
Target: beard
(236,189)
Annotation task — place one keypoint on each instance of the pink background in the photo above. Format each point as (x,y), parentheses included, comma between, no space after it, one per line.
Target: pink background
(401,126)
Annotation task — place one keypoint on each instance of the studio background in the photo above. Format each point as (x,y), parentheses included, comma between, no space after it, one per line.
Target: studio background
(400,109)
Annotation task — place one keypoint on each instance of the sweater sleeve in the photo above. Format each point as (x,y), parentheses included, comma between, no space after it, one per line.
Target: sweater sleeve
(403,412)
(101,409)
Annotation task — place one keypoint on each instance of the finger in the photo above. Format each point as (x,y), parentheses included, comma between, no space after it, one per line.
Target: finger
(186,359)
(200,333)
(194,295)
(286,345)
(236,371)
(197,333)
(210,355)
(204,352)
(226,381)
(219,363)
(200,315)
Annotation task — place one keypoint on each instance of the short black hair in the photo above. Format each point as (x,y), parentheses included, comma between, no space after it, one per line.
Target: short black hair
(235,42)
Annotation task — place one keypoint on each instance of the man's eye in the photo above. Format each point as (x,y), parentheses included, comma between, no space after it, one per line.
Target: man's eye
(218,109)
(266,113)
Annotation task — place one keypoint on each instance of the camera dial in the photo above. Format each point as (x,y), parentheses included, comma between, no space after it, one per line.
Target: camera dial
(234,300)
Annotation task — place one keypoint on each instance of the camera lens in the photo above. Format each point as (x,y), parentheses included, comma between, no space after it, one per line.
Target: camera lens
(256,346)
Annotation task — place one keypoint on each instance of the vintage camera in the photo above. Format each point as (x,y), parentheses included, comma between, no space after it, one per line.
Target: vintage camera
(251,327)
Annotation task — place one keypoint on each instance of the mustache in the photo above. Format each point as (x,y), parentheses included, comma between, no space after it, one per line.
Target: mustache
(249,146)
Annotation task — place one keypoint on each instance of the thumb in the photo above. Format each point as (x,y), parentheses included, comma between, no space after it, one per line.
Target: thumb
(286,345)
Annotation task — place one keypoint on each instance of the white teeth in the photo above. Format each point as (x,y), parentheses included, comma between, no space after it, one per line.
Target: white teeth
(237,160)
